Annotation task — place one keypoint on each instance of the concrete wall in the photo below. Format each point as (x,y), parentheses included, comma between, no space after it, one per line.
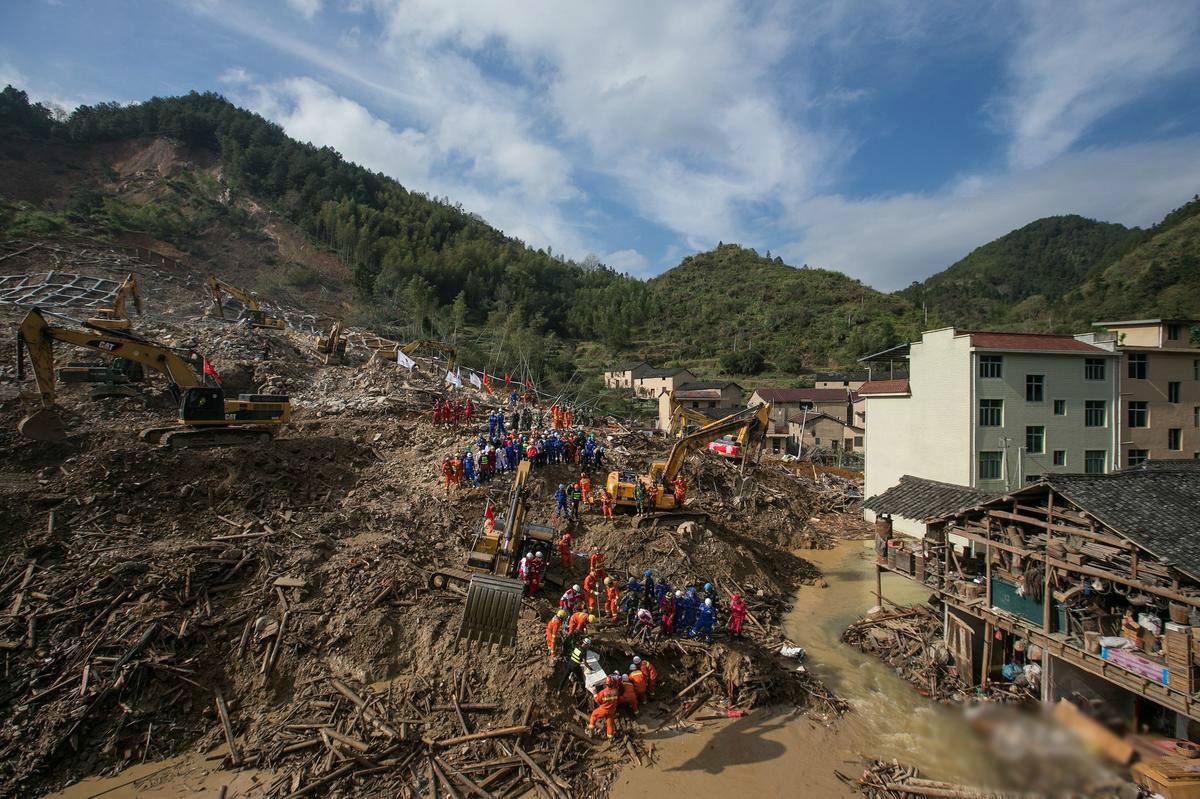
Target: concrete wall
(653,386)
(1162,367)
(1063,380)
(929,433)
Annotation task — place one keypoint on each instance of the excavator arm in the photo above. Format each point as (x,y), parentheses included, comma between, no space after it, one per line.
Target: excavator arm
(219,288)
(432,344)
(746,423)
(681,416)
(37,337)
(115,318)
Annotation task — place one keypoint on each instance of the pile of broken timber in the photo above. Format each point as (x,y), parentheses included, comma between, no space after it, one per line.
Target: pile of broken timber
(349,735)
(882,779)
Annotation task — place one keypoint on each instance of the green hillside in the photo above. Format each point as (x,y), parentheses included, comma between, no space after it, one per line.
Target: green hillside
(1158,278)
(1036,264)
(732,300)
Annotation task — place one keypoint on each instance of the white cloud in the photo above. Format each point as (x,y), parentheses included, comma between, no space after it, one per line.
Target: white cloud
(890,241)
(235,76)
(307,8)
(1079,60)
(11,76)
(630,261)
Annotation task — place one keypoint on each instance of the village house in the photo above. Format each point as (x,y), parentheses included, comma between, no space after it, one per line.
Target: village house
(849,381)
(816,430)
(623,374)
(992,411)
(836,402)
(1079,586)
(714,399)
(654,383)
(1159,378)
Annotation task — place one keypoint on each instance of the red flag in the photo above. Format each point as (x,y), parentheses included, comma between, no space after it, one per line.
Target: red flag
(487,383)
(488,513)
(507,381)
(529,383)
(211,372)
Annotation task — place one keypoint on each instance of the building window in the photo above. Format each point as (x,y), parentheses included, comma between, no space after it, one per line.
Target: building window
(1060,457)
(1136,457)
(1196,369)
(1032,478)
(1095,413)
(1196,416)
(1093,368)
(1139,415)
(991,412)
(989,465)
(1175,439)
(858,441)
(1035,388)
(1060,407)
(1173,392)
(1137,366)
(991,366)
(1173,332)
(1035,439)
(1094,461)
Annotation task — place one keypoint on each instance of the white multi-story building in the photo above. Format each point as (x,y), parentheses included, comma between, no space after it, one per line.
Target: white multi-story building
(993,411)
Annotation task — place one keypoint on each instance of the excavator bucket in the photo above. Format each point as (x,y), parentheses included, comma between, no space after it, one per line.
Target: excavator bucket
(43,425)
(491,611)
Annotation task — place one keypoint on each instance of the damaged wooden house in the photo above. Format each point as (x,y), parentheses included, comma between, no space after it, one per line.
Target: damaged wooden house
(1083,587)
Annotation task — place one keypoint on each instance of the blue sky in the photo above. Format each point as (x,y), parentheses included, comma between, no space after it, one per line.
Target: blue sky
(881,138)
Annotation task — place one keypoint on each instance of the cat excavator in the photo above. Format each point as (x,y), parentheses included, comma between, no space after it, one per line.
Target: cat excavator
(332,345)
(115,318)
(493,591)
(684,419)
(206,418)
(257,316)
(748,425)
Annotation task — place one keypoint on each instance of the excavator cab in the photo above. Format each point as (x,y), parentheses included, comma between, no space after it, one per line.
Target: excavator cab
(203,404)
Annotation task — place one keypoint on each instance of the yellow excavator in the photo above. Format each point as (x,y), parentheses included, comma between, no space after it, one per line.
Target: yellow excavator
(257,316)
(684,419)
(493,592)
(420,344)
(115,318)
(332,345)
(749,425)
(206,418)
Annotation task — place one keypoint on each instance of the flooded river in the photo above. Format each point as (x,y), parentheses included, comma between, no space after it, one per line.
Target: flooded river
(785,754)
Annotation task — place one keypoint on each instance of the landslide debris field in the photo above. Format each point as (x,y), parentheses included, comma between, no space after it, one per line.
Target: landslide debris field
(156,601)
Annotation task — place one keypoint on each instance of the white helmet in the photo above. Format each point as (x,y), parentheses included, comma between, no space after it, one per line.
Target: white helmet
(678,594)
(575,587)
(624,678)
(708,603)
(586,641)
(538,555)
(633,667)
(636,660)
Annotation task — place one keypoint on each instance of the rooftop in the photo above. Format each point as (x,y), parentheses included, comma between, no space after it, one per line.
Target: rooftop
(921,499)
(803,418)
(626,366)
(1133,322)
(1048,342)
(669,371)
(1153,505)
(717,386)
(802,394)
(897,387)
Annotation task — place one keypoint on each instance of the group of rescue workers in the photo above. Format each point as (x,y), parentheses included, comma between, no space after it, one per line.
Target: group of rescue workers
(503,450)
(649,607)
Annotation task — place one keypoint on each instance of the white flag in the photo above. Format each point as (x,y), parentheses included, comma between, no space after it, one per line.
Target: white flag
(475,381)
(453,379)
(404,360)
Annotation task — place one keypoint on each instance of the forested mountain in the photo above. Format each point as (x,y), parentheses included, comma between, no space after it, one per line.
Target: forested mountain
(406,250)
(1040,261)
(732,300)
(211,180)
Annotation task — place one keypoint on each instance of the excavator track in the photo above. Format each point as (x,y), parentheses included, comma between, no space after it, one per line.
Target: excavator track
(203,437)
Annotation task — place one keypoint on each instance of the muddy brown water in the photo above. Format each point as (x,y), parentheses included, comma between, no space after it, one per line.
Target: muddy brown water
(763,755)
(784,754)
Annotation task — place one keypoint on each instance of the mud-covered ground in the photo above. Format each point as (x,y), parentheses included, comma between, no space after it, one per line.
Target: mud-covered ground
(138,583)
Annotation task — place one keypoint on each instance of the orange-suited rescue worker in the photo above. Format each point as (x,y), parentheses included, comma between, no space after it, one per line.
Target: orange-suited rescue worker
(629,695)
(651,673)
(579,620)
(612,595)
(564,553)
(638,680)
(606,708)
(591,587)
(552,632)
